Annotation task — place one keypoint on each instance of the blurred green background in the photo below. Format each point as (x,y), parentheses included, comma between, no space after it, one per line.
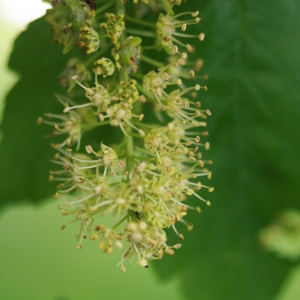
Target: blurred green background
(251,55)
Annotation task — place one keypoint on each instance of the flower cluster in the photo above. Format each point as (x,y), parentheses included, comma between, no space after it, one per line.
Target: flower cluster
(114,26)
(146,179)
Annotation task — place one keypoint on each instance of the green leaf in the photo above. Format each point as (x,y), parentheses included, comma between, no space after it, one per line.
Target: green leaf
(24,152)
(251,54)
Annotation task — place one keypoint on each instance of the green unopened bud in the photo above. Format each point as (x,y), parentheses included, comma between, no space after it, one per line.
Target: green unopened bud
(129,52)
(104,67)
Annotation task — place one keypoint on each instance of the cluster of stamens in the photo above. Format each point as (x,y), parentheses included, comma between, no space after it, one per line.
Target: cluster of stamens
(169,37)
(146,179)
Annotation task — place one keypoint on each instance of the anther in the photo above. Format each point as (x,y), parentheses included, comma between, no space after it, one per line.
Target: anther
(201,36)
(169,251)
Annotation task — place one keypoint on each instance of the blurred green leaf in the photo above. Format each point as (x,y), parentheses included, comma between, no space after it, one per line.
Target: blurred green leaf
(251,53)
(39,261)
(283,235)
(24,153)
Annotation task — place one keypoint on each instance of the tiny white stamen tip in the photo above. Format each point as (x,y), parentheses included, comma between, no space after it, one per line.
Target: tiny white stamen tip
(201,36)
(123,268)
(74,77)
(177,246)
(143,263)
(141,132)
(101,117)
(66,109)
(89,149)
(171,126)
(90,91)
(181,62)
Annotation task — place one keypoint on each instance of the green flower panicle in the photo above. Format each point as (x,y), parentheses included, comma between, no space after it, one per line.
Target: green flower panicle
(145,178)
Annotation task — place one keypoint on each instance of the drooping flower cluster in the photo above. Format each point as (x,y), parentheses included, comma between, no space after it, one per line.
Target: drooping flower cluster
(146,179)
